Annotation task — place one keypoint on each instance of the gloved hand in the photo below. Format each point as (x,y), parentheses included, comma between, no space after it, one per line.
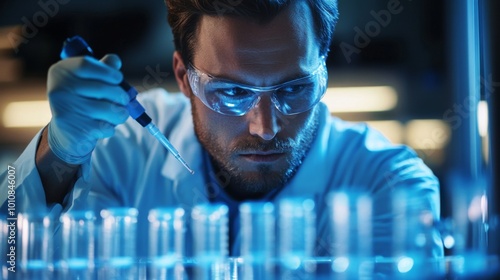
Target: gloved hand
(86,104)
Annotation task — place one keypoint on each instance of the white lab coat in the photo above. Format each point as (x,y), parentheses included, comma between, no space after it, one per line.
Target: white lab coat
(133,169)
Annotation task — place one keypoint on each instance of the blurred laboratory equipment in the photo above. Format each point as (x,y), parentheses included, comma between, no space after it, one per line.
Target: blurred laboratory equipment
(415,230)
(77,257)
(351,231)
(118,243)
(297,235)
(275,240)
(257,240)
(465,233)
(5,247)
(34,242)
(166,243)
(210,237)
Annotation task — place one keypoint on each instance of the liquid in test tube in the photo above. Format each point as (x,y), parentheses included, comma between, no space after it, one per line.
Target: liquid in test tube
(210,236)
(297,233)
(5,247)
(257,240)
(412,235)
(119,227)
(351,231)
(35,245)
(166,243)
(78,245)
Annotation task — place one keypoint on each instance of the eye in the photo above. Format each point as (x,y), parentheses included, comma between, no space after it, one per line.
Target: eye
(295,89)
(230,92)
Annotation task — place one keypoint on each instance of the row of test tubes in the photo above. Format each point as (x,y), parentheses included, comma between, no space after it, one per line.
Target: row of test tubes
(278,241)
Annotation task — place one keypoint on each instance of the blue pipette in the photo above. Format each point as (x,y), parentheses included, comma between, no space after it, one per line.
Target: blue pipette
(76,46)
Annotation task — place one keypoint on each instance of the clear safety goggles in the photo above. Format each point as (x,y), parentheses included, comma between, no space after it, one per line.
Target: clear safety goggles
(235,99)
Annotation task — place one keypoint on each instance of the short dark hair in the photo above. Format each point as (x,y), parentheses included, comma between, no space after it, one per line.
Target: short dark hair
(184,16)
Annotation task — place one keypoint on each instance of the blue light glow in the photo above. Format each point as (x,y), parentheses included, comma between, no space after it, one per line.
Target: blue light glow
(405,264)
(340,264)
(448,242)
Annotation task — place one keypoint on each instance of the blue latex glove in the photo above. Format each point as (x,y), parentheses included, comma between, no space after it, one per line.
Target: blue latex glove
(86,105)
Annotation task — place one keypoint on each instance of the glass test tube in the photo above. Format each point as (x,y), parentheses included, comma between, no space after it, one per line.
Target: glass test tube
(166,243)
(119,243)
(297,233)
(35,231)
(351,229)
(257,239)
(78,245)
(210,236)
(413,236)
(5,248)
(466,232)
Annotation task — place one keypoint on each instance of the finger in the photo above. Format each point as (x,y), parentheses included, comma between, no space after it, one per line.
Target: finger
(104,111)
(89,132)
(83,109)
(86,68)
(89,89)
(99,130)
(112,60)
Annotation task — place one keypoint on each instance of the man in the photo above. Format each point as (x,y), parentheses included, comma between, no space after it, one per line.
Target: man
(249,122)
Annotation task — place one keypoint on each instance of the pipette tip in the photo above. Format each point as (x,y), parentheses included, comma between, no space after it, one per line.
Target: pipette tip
(164,141)
(187,166)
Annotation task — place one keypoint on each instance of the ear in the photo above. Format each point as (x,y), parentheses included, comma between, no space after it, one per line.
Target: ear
(181,74)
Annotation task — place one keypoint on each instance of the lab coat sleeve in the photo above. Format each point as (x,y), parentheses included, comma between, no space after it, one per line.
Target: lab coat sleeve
(29,194)
(410,192)
(406,214)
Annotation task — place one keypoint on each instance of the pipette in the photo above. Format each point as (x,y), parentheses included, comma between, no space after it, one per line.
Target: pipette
(76,46)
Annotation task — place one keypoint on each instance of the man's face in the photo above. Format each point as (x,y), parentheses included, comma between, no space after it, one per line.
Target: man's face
(261,150)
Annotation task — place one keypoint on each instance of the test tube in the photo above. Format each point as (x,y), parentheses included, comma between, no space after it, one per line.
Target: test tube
(210,236)
(119,243)
(257,239)
(351,231)
(78,245)
(35,245)
(5,248)
(166,243)
(465,233)
(413,236)
(297,233)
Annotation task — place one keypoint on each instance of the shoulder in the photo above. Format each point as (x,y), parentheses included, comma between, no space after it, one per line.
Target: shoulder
(359,134)
(367,154)
(360,141)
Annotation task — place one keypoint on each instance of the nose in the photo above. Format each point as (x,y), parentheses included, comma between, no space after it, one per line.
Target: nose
(263,121)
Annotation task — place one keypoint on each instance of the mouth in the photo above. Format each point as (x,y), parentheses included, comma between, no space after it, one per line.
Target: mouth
(262,156)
